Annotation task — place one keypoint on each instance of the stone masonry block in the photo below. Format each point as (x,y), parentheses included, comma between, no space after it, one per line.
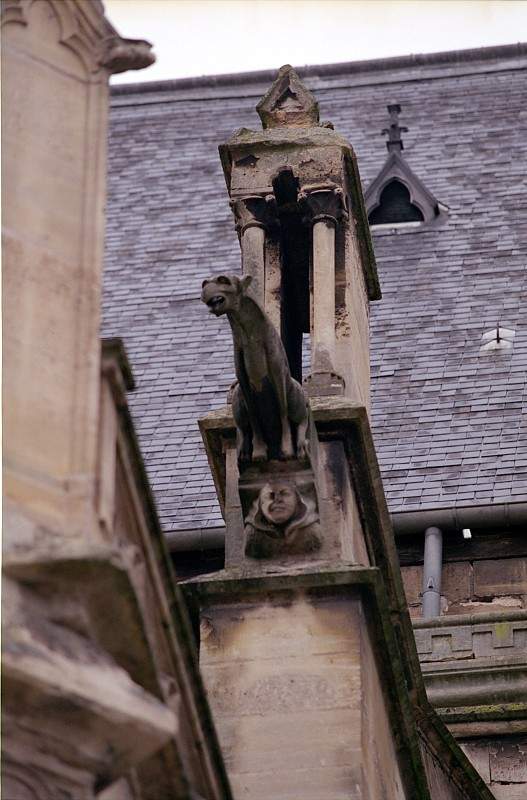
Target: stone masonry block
(456,581)
(508,762)
(507,576)
(412,580)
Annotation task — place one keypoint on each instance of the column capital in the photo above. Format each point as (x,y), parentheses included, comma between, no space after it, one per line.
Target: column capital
(323,202)
(254,211)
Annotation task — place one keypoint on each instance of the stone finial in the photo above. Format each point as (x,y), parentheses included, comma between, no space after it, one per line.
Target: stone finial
(394,143)
(288,103)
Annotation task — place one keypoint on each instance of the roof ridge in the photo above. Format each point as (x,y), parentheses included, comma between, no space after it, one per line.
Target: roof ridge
(323,70)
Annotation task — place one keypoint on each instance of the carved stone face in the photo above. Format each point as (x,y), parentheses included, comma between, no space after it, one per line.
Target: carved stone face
(278,502)
(222,294)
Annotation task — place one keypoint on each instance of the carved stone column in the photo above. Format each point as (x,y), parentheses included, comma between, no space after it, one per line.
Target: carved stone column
(254,216)
(325,206)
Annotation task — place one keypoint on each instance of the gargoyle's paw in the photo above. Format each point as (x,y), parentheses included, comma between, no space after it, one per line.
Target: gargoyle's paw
(302,451)
(287,450)
(244,457)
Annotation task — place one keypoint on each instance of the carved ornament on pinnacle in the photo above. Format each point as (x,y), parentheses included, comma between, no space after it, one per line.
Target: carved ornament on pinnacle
(323,203)
(254,211)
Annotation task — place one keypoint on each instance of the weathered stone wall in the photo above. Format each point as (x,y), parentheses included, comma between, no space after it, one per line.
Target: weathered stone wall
(502,763)
(298,702)
(471,587)
(97,659)
(474,661)
(53,185)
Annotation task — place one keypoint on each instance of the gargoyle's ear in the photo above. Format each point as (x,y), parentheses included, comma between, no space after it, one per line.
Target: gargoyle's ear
(205,283)
(245,282)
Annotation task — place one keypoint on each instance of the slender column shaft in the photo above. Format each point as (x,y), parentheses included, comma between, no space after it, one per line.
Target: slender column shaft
(254,214)
(253,259)
(323,295)
(325,205)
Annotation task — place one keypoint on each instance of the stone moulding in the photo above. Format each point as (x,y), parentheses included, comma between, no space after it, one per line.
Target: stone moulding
(175,624)
(475,670)
(120,55)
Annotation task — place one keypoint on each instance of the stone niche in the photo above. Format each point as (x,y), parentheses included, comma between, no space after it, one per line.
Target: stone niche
(325,483)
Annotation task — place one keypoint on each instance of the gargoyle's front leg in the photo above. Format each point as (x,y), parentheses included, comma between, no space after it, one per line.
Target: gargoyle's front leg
(244,434)
(302,445)
(279,375)
(299,414)
(286,443)
(259,448)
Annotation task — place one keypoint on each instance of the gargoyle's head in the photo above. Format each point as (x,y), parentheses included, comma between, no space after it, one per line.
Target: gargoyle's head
(223,293)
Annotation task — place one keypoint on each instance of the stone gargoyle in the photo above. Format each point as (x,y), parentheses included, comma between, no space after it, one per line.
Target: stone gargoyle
(269,406)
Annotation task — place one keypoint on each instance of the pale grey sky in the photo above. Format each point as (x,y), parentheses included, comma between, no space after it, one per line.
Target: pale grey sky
(207,37)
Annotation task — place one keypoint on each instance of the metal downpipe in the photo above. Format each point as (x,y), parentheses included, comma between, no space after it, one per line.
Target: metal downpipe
(432,568)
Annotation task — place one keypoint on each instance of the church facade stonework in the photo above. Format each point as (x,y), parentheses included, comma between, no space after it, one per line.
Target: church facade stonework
(101,692)
(296,636)
(234,601)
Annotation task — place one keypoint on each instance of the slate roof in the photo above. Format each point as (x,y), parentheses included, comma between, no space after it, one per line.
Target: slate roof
(449,423)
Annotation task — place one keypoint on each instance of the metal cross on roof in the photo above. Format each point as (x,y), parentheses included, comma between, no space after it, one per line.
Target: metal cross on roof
(394,143)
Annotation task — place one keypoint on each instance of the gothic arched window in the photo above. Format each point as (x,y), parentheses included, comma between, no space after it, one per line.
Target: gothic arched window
(395,206)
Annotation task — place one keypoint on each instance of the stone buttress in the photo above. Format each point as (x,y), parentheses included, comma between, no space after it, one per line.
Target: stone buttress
(306,646)
(101,696)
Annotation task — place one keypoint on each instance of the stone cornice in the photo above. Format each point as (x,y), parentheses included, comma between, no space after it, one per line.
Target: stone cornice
(374,71)
(476,663)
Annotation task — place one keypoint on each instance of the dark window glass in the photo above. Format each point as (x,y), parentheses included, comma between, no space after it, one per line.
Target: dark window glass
(395,206)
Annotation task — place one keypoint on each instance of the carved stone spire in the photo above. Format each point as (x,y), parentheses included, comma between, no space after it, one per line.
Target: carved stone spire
(288,103)
(394,143)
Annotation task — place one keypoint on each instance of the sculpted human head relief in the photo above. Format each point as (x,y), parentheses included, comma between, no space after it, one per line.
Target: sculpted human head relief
(282,522)
(279,501)
(222,294)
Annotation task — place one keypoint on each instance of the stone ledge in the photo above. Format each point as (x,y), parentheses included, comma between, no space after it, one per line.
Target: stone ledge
(118,722)
(475,669)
